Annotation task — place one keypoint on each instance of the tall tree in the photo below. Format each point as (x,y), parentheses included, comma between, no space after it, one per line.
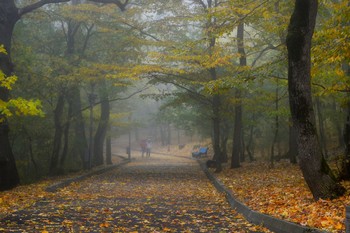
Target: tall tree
(237,149)
(316,171)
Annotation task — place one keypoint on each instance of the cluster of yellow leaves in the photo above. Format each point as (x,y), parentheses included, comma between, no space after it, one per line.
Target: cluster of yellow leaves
(282,192)
(18,106)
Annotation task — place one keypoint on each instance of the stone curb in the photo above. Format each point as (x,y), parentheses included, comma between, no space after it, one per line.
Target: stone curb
(65,183)
(272,223)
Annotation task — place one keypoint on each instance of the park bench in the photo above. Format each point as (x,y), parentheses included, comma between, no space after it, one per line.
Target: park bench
(201,152)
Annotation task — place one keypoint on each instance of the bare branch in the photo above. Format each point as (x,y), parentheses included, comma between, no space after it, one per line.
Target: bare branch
(120,98)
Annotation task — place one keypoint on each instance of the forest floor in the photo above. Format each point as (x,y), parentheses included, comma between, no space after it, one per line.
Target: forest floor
(279,191)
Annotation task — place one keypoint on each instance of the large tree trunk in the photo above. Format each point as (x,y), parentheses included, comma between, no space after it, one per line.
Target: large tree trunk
(8,171)
(316,171)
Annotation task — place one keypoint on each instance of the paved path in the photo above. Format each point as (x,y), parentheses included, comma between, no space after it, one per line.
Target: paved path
(157,194)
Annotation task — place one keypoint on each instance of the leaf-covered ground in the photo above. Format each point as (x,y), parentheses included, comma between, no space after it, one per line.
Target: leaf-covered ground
(282,192)
(157,194)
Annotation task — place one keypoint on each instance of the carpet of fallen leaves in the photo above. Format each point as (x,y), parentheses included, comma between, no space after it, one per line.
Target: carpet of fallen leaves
(157,194)
(282,192)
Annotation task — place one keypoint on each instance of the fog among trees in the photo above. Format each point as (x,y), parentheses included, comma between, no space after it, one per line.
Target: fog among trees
(260,80)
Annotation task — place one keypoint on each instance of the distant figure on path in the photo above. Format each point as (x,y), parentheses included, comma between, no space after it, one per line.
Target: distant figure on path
(143,145)
(148,148)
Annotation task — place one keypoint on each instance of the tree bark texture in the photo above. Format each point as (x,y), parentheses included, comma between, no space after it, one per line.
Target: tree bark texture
(315,170)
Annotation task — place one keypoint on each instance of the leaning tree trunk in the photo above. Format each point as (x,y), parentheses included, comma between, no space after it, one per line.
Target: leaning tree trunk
(316,171)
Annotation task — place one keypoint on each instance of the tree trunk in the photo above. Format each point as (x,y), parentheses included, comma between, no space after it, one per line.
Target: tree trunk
(79,141)
(345,166)
(237,138)
(57,141)
(101,131)
(225,130)
(216,128)
(66,137)
(108,150)
(316,171)
(237,132)
(250,144)
(274,141)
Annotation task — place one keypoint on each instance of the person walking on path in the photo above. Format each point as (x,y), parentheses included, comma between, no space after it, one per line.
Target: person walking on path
(148,148)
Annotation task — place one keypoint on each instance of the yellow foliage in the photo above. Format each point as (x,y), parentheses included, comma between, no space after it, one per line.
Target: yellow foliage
(2,49)
(18,106)
(7,82)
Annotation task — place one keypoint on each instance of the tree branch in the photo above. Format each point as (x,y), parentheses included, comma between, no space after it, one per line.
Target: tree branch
(34,6)
(120,98)
(122,6)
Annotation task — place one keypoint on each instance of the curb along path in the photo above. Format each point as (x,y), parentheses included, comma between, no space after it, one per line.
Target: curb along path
(157,194)
(272,223)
